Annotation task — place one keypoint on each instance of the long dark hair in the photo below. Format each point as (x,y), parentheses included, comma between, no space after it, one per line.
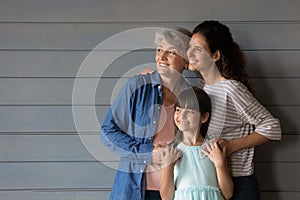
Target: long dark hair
(232,64)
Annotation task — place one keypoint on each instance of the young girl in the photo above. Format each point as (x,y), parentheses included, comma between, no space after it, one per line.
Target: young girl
(194,175)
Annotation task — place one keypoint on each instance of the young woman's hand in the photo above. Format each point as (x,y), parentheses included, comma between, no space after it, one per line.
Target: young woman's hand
(146,71)
(215,153)
(227,144)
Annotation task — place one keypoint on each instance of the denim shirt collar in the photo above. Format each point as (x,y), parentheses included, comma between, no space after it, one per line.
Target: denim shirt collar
(156,80)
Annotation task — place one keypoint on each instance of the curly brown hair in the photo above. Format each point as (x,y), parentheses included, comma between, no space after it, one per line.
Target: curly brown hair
(232,64)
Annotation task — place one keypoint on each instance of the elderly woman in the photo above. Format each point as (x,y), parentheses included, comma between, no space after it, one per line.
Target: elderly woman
(140,121)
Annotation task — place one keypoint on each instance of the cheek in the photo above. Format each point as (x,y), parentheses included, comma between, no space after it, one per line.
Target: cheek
(188,52)
(179,63)
(175,117)
(156,58)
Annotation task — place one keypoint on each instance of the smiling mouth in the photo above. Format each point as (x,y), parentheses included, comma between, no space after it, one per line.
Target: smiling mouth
(193,62)
(163,65)
(183,123)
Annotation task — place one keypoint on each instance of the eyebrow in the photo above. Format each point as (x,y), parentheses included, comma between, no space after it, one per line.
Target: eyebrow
(196,45)
(170,48)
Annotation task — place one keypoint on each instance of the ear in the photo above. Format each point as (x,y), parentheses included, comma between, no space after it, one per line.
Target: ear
(216,56)
(204,117)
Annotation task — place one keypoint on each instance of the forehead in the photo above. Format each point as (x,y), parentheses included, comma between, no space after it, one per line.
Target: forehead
(198,40)
(166,44)
(188,109)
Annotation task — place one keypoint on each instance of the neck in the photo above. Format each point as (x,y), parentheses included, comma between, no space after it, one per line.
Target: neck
(212,76)
(173,83)
(192,139)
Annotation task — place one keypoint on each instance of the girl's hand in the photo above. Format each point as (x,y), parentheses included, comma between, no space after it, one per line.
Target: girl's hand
(171,156)
(215,153)
(146,71)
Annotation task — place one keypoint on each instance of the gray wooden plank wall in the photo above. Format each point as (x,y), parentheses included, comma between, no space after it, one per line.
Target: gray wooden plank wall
(42,45)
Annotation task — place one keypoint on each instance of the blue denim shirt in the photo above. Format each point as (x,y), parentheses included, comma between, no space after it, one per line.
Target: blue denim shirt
(128,131)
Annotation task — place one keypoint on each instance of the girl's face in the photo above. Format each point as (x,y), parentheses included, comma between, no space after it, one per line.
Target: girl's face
(199,53)
(187,120)
(168,59)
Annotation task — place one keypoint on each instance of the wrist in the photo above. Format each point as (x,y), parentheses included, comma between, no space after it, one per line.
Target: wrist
(220,166)
(232,146)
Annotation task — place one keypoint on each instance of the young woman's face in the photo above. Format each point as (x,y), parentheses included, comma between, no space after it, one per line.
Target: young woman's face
(168,59)
(187,119)
(198,53)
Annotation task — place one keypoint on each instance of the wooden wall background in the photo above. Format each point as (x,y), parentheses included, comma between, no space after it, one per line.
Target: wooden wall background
(42,45)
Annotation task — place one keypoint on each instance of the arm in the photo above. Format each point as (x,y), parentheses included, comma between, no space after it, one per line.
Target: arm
(248,141)
(251,113)
(119,132)
(218,157)
(167,186)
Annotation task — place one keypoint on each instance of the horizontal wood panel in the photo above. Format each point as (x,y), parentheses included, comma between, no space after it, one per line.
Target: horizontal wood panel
(61,91)
(273,63)
(54,194)
(272,176)
(278,176)
(84,147)
(133,10)
(67,63)
(60,118)
(280,195)
(64,175)
(286,150)
(274,91)
(89,148)
(86,36)
(47,119)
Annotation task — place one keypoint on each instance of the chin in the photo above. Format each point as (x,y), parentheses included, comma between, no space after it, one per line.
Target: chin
(192,68)
(162,69)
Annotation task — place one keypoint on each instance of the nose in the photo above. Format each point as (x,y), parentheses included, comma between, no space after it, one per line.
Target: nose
(163,54)
(182,114)
(190,52)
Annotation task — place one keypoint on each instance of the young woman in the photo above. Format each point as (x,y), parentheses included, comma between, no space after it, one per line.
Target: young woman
(237,117)
(194,176)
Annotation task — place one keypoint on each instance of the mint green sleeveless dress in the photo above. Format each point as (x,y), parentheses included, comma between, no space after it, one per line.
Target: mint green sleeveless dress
(195,176)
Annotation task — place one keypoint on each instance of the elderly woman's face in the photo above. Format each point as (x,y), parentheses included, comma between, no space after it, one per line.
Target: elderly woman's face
(168,59)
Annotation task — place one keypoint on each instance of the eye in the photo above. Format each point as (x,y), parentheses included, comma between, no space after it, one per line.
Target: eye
(190,112)
(172,52)
(159,50)
(199,49)
(177,110)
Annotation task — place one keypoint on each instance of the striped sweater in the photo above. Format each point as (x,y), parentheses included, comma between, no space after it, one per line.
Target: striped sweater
(237,113)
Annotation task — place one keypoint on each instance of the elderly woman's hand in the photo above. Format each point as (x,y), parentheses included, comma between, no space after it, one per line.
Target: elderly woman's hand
(170,156)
